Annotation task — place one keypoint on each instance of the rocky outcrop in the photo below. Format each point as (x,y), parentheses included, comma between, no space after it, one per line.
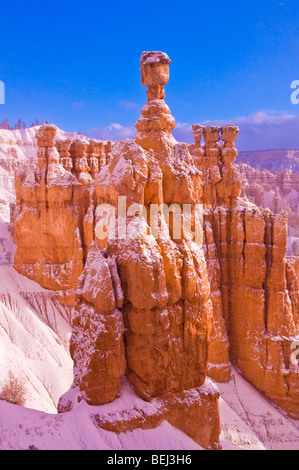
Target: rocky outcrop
(52,224)
(176,274)
(276,191)
(152,292)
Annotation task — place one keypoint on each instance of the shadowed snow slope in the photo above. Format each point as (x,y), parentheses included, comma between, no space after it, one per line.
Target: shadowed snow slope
(30,349)
(248,421)
(34,328)
(21,428)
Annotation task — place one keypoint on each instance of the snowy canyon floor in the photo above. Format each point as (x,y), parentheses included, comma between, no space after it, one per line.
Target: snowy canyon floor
(248,422)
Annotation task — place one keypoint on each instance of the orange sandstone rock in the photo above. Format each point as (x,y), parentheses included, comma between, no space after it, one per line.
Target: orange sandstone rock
(47,221)
(160,285)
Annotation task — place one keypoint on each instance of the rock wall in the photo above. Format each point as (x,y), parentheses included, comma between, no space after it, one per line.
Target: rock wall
(156,290)
(258,285)
(51,217)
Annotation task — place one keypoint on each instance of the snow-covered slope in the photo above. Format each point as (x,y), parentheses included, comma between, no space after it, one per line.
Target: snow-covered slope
(30,349)
(248,421)
(17,145)
(20,145)
(22,428)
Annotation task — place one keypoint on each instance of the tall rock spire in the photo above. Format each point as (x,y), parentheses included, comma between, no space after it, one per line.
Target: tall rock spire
(156,122)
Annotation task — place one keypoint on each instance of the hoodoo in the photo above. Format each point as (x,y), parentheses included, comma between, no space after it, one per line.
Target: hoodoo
(154,306)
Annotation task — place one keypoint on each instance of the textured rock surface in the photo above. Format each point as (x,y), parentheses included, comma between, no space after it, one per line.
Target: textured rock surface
(53,216)
(47,219)
(260,300)
(277,190)
(163,310)
(161,285)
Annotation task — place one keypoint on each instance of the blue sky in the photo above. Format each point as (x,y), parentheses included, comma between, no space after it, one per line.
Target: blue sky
(76,64)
